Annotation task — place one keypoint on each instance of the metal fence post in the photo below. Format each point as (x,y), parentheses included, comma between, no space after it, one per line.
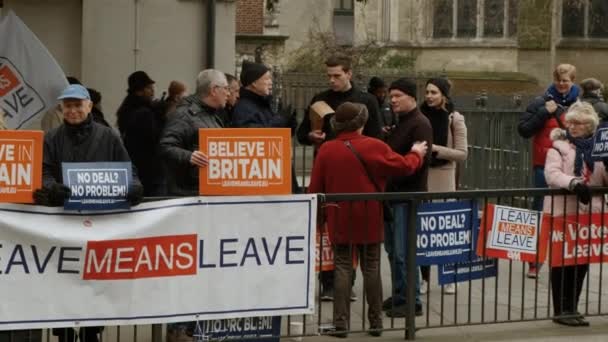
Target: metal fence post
(410,266)
(157,332)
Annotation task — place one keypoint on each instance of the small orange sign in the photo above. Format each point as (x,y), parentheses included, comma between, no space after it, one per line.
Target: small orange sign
(20,165)
(245,161)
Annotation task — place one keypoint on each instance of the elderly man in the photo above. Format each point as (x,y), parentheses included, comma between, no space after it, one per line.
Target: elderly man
(179,141)
(78,139)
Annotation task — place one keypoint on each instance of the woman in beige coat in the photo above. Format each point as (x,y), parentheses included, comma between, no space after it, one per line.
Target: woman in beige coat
(449,146)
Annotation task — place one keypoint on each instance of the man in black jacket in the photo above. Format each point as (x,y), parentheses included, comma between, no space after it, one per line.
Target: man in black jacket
(179,142)
(78,139)
(140,122)
(341,89)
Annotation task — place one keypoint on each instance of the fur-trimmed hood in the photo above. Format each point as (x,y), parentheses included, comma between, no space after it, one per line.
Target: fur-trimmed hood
(558,134)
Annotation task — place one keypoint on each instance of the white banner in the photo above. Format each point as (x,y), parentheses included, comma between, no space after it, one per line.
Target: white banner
(180,260)
(30,78)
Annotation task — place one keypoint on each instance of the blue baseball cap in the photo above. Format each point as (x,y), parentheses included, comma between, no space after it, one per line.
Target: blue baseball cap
(75,91)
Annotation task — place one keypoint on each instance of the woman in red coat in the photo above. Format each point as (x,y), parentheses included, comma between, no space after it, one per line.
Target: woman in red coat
(357,225)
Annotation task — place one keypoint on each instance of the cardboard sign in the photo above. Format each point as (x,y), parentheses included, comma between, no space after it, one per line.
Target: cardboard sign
(245,161)
(246,329)
(97,186)
(444,232)
(579,239)
(600,143)
(512,233)
(472,269)
(20,165)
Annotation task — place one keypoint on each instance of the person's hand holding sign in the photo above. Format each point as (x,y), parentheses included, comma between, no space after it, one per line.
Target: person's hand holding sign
(199,159)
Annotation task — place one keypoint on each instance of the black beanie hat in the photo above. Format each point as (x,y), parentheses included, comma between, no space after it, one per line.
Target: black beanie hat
(251,72)
(441,83)
(375,83)
(138,81)
(405,85)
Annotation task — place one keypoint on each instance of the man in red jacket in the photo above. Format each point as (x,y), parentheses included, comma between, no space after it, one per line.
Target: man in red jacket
(354,163)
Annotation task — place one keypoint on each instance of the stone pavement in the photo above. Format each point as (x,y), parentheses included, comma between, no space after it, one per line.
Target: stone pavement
(510,297)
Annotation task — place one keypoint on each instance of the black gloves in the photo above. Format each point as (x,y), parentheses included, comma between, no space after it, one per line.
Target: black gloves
(52,196)
(135,195)
(582,192)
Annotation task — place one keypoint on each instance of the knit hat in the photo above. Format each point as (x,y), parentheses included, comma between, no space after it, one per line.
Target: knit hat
(441,83)
(349,117)
(405,85)
(138,81)
(375,83)
(251,72)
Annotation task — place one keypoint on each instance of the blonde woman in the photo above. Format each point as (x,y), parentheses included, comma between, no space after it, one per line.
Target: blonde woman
(449,147)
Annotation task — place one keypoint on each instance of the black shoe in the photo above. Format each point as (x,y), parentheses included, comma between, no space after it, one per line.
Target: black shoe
(582,322)
(340,333)
(388,304)
(571,322)
(327,295)
(375,332)
(401,311)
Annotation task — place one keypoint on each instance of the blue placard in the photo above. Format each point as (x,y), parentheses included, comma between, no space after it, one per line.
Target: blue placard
(468,270)
(248,329)
(444,232)
(600,143)
(97,186)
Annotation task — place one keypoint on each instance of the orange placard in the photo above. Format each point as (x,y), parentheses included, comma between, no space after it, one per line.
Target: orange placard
(20,165)
(578,239)
(245,161)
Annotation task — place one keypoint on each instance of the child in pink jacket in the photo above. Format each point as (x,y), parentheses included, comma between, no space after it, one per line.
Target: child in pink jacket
(569,166)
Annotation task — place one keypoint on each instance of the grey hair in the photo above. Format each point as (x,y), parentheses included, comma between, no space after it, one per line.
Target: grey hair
(209,78)
(583,112)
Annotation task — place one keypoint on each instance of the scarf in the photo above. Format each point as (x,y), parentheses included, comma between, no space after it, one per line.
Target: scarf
(584,147)
(561,99)
(440,123)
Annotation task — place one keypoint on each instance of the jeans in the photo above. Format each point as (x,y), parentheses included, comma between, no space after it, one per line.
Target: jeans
(395,245)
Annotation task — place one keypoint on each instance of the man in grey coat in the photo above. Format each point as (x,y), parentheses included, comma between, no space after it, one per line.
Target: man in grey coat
(179,141)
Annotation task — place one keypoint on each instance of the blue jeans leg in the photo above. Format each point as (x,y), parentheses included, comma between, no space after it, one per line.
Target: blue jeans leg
(394,244)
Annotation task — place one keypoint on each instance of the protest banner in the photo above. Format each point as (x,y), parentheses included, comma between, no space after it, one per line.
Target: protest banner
(247,329)
(472,269)
(200,258)
(245,161)
(512,233)
(97,186)
(600,143)
(579,239)
(30,78)
(20,165)
(444,232)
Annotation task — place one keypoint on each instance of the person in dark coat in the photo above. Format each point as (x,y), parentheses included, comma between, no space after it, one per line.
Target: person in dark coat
(543,115)
(253,108)
(341,89)
(78,139)
(379,90)
(140,122)
(179,141)
(592,93)
(97,111)
(234,93)
(357,226)
(412,126)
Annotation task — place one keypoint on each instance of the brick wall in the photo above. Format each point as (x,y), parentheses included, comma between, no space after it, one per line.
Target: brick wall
(250,16)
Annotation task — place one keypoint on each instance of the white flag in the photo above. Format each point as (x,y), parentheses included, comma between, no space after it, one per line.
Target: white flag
(30,78)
